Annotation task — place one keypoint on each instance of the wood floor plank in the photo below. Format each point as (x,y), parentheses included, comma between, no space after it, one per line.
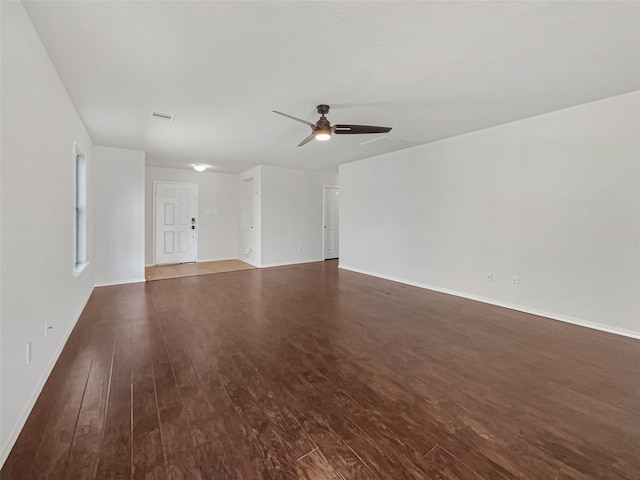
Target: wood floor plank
(308,371)
(320,399)
(21,461)
(51,460)
(335,449)
(115,451)
(279,415)
(85,449)
(148,459)
(440,464)
(56,443)
(314,465)
(340,455)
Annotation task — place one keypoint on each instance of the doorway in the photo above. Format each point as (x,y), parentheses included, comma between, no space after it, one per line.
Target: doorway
(331,224)
(175,222)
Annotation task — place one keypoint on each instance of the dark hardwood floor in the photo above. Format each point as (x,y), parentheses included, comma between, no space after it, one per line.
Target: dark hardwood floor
(308,372)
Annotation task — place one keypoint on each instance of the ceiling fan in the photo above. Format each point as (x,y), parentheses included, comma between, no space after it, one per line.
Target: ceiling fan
(322,129)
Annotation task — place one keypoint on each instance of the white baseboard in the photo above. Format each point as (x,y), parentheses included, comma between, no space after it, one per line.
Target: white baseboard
(6,448)
(246,260)
(296,262)
(120,282)
(532,311)
(200,260)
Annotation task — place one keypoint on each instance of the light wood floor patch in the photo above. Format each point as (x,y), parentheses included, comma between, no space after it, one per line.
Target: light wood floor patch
(163,272)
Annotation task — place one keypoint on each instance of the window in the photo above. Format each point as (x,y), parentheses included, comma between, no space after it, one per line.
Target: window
(80,243)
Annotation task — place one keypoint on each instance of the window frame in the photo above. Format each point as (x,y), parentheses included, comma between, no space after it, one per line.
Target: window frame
(80,261)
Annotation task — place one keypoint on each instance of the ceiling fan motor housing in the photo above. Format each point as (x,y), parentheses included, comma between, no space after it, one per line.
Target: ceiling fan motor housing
(323,124)
(323,109)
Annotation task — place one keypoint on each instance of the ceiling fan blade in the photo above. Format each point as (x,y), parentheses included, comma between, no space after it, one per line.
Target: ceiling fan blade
(358,129)
(294,118)
(307,140)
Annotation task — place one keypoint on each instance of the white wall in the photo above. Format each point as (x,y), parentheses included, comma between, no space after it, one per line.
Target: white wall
(250,239)
(292,215)
(39,128)
(553,199)
(119,215)
(217,211)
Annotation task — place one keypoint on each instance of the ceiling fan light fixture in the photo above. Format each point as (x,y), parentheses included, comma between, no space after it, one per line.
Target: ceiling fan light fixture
(323,135)
(199,167)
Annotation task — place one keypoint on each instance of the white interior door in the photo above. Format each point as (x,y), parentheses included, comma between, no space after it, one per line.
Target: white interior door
(331,196)
(176,222)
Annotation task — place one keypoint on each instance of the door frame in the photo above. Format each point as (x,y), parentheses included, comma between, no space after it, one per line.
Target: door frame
(324,202)
(155,185)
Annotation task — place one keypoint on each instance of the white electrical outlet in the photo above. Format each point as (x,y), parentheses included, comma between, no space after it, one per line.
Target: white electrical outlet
(299,249)
(515,281)
(490,277)
(29,352)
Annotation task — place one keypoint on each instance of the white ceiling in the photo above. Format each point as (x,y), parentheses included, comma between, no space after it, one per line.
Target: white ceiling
(430,70)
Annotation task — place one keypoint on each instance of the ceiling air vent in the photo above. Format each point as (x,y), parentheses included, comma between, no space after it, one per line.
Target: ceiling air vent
(386,143)
(164,116)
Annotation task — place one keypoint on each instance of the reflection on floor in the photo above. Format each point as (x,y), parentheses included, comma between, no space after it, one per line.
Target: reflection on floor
(190,269)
